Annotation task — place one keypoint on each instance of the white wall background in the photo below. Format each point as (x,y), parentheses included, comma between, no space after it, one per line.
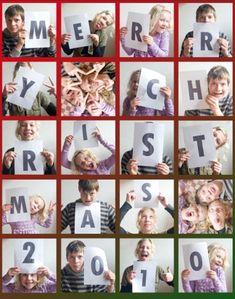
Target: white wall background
(51,7)
(164,219)
(127,137)
(107,129)
(44,188)
(225,125)
(226,243)
(187,16)
(164,255)
(108,245)
(49,256)
(144,8)
(68,9)
(127,68)
(47,133)
(45,68)
(201,66)
(70,193)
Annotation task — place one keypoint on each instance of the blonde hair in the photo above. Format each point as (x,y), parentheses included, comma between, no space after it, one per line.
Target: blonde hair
(42,214)
(19,124)
(132,77)
(21,64)
(140,243)
(139,216)
(218,72)
(18,284)
(211,252)
(107,13)
(224,133)
(75,167)
(155,13)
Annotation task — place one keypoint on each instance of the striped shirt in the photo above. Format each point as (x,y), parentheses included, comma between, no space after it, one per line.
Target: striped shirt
(225,105)
(190,35)
(144,169)
(9,43)
(107,219)
(74,282)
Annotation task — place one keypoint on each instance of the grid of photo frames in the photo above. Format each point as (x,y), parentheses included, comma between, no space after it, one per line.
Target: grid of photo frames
(117,147)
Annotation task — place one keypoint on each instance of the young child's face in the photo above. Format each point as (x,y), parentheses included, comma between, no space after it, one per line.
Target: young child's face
(134,84)
(102,21)
(88,197)
(163,23)
(73,96)
(147,222)
(76,260)
(84,162)
(217,214)
(208,192)
(218,88)
(206,17)
(93,107)
(36,205)
(194,213)
(29,281)
(14,24)
(145,251)
(219,138)
(218,258)
(28,130)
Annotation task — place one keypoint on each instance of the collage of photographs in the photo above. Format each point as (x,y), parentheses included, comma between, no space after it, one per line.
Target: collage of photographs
(117,148)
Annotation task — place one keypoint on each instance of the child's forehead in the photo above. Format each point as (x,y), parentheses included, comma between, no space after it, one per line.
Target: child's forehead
(14,15)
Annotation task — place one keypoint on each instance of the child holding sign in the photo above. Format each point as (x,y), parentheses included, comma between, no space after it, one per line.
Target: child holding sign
(41,282)
(219,100)
(131,104)
(15,34)
(205,14)
(215,281)
(39,215)
(42,100)
(84,161)
(158,38)
(27,130)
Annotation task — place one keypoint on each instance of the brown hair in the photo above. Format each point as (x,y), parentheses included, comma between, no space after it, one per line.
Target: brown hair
(13,10)
(205,8)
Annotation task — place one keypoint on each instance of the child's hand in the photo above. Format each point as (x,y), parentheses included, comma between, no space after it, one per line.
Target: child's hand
(223,43)
(130,197)
(95,39)
(43,271)
(162,200)
(216,167)
(167,276)
(130,276)
(213,104)
(68,139)
(97,133)
(148,39)
(135,103)
(123,32)
(13,271)
(191,229)
(166,91)
(211,274)
(109,275)
(21,39)
(9,88)
(49,157)
(72,70)
(185,274)
(65,38)
(8,158)
(52,207)
(132,167)
(188,44)
(6,207)
(183,156)
(163,168)
(52,34)
(51,86)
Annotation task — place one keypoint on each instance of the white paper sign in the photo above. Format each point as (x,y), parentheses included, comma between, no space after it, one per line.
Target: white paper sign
(95,264)
(199,141)
(78,27)
(196,260)
(137,25)
(148,143)
(146,193)
(36,25)
(87,218)
(28,255)
(83,135)
(28,85)
(206,36)
(149,89)
(144,282)
(28,157)
(193,90)
(19,199)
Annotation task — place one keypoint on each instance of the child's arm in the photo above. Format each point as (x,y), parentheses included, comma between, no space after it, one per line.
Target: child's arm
(46,104)
(123,32)
(185,281)
(65,215)
(64,155)
(65,45)
(161,49)
(108,109)
(130,106)
(169,107)
(130,198)
(219,279)
(166,206)
(225,47)
(109,162)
